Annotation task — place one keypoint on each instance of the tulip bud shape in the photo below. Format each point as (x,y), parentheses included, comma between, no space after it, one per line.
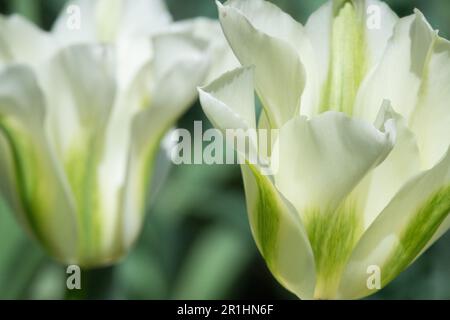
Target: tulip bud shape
(82,112)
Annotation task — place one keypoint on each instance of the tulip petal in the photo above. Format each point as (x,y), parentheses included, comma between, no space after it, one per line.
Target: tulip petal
(378,24)
(431,118)
(443,228)
(22,42)
(109,20)
(35,184)
(279,73)
(401,231)
(397,77)
(348,39)
(73,107)
(413,74)
(141,17)
(279,234)
(401,165)
(175,75)
(76,23)
(77,118)
(320,162)
(271,21)
(123,179)
(318,29)
(209,30)
(128,24)
(229,102)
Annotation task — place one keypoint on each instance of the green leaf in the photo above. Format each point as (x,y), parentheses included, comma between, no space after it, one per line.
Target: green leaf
(213,265)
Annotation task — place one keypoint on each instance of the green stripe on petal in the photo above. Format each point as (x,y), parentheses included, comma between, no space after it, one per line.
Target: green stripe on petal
(401,232)
(347,65)
(349,38)
(279,234)
(333,236)
(418,232)
(24,156)
(37,180)
(80,166)
(77,119)
(265,220)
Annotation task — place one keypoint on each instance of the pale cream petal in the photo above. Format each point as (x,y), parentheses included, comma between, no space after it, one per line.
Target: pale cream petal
(279,73)
(387,179)
(175,76)
(414,74)
(110,20)
(75,110)
(399,73)
(270,20)
(23,42)
(209,30)
(76,23)
(229,101)
(431,118)
(321,160)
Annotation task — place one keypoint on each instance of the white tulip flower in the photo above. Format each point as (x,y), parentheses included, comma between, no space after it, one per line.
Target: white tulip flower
(82,114)
(362,108)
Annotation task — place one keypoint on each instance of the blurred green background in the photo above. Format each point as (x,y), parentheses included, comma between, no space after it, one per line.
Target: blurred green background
(196,243)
